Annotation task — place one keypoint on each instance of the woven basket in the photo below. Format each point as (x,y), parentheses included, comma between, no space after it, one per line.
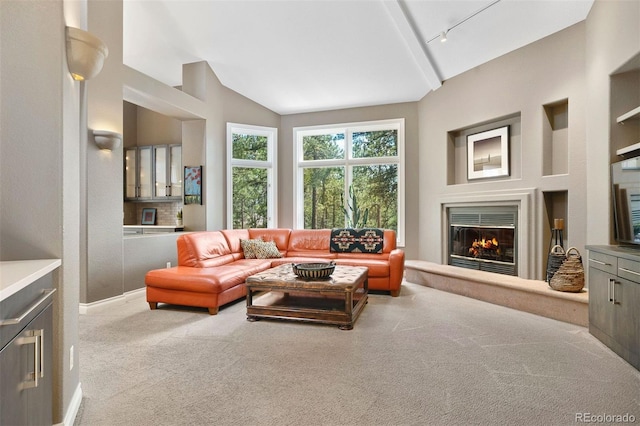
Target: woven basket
(557,255)
(570,275)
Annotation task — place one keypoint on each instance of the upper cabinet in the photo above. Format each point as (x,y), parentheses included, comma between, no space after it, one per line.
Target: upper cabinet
(138,173)
(168,172)
(153,173)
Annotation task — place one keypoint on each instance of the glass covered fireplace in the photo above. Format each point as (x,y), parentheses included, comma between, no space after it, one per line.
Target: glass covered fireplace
(484,238)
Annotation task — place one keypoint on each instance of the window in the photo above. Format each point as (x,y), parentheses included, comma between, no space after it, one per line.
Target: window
(251,199)
(368,157)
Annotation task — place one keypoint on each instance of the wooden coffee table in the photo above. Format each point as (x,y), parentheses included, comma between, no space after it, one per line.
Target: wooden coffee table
(337,300)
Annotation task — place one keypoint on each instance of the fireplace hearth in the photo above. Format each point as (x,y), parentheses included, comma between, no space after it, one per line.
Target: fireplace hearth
(484,238)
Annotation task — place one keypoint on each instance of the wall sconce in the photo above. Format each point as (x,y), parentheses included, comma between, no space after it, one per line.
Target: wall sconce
(106,139)
(85,54)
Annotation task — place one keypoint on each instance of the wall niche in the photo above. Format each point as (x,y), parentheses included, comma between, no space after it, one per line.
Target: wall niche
(556,206)
(555,138)
(457,150)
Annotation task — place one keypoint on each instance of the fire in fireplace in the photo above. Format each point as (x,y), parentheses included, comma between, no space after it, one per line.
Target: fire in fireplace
(483,238)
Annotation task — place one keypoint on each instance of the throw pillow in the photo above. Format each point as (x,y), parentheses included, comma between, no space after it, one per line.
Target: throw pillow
(349,240)
(249,248)
(267,250)
(372,240)
(343,240)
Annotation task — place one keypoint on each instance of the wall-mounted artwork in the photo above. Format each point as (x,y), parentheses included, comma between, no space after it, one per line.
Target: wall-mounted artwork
(148,216)
(488,154)
(193,185)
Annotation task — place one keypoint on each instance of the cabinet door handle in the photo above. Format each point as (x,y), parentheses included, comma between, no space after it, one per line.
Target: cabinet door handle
(629,271)
(599,262)
(613,292)
(12,321)
(35,339)
(40,333)
(609,282)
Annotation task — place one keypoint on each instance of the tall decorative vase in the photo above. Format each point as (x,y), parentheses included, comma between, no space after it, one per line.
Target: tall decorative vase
(556,253)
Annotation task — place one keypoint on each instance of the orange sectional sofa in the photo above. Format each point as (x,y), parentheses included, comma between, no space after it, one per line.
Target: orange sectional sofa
(212,267)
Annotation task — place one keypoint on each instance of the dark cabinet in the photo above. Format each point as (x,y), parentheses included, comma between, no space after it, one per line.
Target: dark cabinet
(26,343)
(614,298)
(26,386)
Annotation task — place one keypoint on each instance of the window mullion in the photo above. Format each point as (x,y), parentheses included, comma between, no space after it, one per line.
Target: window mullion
(250,163)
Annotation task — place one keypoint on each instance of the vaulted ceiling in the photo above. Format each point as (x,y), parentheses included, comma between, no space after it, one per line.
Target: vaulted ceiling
(313,55)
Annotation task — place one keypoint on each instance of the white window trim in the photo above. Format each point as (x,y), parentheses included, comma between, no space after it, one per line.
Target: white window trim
(348,129)
(271,133)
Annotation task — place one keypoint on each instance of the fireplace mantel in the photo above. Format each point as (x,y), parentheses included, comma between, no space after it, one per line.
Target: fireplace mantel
(522,199)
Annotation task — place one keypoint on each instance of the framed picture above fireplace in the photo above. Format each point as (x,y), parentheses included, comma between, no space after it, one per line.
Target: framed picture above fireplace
(488,154)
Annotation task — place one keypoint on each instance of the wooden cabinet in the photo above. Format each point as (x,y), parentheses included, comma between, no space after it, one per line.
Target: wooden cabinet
(153,173)
(614,299)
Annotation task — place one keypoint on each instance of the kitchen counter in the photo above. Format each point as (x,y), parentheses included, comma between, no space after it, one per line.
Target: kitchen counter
(150,229)
(18,274)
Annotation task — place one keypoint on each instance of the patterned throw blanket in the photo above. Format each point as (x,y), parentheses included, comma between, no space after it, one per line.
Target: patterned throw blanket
(350,240)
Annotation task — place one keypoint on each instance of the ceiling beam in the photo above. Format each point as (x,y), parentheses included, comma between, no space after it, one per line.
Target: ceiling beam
(416,46)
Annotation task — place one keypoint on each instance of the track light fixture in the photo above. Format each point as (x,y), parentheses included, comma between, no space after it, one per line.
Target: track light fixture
(443,35)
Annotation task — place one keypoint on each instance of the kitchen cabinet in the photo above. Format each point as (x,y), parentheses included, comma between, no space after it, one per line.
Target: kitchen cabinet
(614,297)
(153,173)
(167,172)
(26,342)
(138,176)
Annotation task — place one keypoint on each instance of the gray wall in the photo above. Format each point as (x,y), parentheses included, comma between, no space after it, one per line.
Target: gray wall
(144,253)
(104,177)
(40,115)
(517,84)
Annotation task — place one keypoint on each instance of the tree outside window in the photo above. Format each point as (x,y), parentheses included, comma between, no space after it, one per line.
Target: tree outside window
(251,194)
(366,156)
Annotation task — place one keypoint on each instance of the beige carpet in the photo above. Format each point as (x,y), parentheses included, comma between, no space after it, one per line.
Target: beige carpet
(425,358)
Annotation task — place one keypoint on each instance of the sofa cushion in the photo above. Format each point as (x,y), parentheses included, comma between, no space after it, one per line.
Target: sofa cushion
(308,240)
(203,249)
(280,236)
(233,237)
(377,268)
(205,280)
(364,240)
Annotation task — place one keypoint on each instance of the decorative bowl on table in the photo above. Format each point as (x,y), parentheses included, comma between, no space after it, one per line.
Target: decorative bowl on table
(313,270)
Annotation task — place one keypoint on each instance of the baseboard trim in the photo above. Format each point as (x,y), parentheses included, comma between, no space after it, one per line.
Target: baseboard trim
(86,308)
(74,406)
